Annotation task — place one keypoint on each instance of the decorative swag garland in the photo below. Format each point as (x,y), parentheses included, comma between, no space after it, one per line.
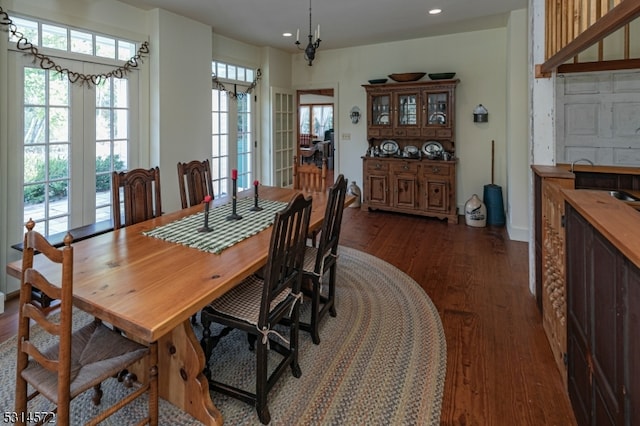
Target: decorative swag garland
(47,63)
(235,94)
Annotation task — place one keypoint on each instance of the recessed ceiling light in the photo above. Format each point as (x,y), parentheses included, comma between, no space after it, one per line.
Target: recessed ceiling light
(286,34)
(435,11)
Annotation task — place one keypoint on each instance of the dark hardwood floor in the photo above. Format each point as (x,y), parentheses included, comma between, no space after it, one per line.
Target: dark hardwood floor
(500,369)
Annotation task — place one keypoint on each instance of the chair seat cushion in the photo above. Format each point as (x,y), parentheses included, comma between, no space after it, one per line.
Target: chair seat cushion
(97,353)
(310,255)
(243,301)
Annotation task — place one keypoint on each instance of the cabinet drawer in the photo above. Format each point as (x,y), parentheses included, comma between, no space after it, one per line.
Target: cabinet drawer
(407,132)
(373,165)
(444,133)
(436,169)
(405,167)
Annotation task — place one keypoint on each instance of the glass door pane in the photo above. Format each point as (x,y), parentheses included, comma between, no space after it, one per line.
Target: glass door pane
(244,143)
(407,109)
(437,104)
(220,170)
(111,139)
(46,149)
(380,109)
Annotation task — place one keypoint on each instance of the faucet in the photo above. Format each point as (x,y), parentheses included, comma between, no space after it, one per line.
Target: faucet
(580,159)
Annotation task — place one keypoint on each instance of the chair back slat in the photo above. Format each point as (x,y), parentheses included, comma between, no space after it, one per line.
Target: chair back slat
(286,252)
(309,177)
(31,350)
(330,234)
(140,196)
(195,182)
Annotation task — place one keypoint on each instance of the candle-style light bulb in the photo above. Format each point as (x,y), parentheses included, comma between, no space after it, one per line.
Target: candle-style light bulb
(298,35)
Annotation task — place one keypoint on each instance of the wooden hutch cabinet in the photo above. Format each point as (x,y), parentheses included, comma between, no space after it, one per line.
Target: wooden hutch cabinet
(410,115)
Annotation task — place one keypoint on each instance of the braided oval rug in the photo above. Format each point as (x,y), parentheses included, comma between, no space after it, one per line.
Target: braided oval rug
(381,361)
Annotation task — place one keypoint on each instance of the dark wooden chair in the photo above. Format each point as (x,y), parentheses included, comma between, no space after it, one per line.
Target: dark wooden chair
(258,303)
(77,361)
(309,177)
(318,260)
(195,182)
(140,196)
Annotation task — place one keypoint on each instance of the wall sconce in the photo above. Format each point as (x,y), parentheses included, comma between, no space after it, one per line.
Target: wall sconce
(355,115)
(480,114)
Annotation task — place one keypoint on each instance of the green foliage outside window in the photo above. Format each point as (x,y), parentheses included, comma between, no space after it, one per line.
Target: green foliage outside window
(58,169)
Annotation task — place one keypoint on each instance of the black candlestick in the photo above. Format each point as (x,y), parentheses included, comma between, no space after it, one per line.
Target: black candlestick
(256,207)
(234,215)
(205,227)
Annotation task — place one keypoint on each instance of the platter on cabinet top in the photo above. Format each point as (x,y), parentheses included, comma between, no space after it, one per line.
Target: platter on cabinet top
(432,149)
(389,147)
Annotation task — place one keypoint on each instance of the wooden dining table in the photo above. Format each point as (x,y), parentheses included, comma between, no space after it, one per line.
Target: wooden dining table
(149,288)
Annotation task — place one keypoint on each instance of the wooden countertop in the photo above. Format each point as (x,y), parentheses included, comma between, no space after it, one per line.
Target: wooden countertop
(552,172)
(562,170)
(616,220)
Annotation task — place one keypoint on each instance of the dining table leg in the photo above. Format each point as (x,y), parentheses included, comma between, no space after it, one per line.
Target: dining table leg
(180,378)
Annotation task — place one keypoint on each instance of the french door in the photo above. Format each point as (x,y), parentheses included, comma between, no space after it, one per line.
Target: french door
(232,140)
(65,140)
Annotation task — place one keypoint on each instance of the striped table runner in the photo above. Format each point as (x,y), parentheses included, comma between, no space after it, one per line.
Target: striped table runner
(225,232)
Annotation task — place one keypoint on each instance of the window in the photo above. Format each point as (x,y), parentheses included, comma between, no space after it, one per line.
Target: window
(71,137)
(73,40)
(315,119)
(233,144)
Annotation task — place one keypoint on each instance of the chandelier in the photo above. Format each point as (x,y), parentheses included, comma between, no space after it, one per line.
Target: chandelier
(310,50)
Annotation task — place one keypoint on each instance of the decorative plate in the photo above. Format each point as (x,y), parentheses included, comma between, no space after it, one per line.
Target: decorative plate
(438,118)
(432,149)
(411,150)
(383,118)
(389,147)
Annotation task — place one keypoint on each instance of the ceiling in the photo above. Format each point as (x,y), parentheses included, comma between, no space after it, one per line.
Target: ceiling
(343,23)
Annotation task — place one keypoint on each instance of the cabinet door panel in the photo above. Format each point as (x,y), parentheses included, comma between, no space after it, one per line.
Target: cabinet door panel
(631,336)
(602,416)
(578,379)
(604,339)
(578,302)
(405,191)
(437,195)
(377,189)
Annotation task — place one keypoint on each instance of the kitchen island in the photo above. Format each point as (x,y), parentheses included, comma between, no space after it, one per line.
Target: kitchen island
(603,307)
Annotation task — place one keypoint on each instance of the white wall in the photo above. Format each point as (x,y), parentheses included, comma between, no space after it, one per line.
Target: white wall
(492,71)
(517,128)
(180,91)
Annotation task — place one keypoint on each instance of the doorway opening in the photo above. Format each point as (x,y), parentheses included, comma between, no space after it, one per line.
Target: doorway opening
(315,130)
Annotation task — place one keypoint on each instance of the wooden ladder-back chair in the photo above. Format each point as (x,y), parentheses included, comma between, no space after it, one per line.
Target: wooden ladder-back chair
(76,361)
(309,177)
(195,182)
(318,260)
(140,195)
(258,303)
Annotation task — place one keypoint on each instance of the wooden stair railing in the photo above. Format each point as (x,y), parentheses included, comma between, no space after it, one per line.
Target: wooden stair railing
(573,26)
